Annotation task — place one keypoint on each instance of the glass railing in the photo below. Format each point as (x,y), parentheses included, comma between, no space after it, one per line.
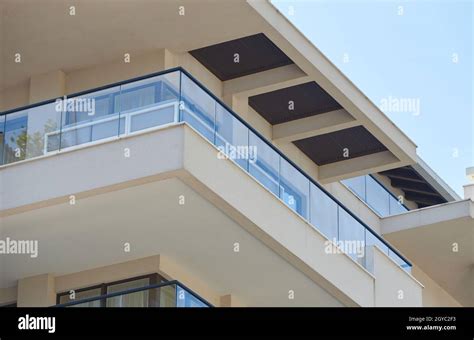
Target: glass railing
(166,294)
(377,197)
(175,96)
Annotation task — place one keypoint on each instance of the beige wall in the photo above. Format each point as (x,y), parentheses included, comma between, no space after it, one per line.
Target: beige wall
(37,291)
(8,295)
(14,97)
(41,290)
(433,294)
(393,286)
(115,71)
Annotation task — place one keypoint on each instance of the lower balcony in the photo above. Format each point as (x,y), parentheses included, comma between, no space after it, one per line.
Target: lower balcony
(166,294)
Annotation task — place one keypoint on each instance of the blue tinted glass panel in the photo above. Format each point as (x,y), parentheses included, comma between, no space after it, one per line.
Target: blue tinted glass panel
(399,260)
(377,197)
(232,138)
(357,185)
(2,135)
(266,164)
(372,240)
(32,132)
(198,109)
(186,299)
(294,188)
(323,212)
(149,103)
(152,118)
(396,207)
(352,235)
(91,117)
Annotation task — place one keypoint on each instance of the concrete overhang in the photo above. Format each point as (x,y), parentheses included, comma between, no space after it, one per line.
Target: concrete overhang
(59,45)
(136,200)
(309,59)
(435,181)
(439,240)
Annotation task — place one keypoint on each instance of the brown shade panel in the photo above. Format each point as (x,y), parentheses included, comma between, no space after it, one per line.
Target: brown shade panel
(308,99)
(329,148)
(256,53)
(414,186)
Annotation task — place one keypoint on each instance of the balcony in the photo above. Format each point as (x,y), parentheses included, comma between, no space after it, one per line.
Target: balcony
(166,294)
(168,98)
(377,197)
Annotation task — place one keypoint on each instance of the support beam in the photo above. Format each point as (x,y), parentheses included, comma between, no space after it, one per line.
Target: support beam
(313,126)
(358,166)
(266,81)
(417,187)
(423,199)
(299,49)
(404,174)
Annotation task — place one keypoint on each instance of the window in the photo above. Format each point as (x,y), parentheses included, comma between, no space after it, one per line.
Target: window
(145,298)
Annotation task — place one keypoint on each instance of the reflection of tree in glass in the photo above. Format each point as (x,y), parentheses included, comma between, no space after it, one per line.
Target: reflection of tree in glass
(32,145)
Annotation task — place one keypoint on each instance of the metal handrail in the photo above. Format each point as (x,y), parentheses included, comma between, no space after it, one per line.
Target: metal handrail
(134,290)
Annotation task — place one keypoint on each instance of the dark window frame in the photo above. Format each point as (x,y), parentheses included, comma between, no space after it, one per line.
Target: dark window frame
(153,298)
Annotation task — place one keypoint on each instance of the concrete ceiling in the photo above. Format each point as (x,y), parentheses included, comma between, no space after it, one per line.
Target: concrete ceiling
(48,38)
(196,235)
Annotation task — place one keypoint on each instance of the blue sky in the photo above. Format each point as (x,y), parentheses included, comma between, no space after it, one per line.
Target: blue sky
(415,52)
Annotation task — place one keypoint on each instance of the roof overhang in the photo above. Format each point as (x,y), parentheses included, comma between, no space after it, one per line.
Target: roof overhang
(421,184)
(207,23)
(439,240)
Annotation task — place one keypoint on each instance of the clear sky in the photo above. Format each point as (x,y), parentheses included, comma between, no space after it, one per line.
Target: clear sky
(414,54)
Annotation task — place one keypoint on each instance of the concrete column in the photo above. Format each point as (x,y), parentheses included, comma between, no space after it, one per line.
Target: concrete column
(469,191)
(469,188)
(36,291)
(47,86)
(229,300)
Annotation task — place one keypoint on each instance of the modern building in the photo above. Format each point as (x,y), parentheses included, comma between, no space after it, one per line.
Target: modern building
(204,153)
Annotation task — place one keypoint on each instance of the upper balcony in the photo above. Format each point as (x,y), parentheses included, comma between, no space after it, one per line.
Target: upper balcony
(376,196)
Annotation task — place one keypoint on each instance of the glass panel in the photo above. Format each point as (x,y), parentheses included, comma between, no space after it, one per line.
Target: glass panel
(356,184)
(294,188)
(85,294)
(168,296)
(377,197)
(372,240)
(136,299)
(323,213)
(186,299)
(148,103)
(91,117)
(32,132)
(232,138)
(198,109)
(396,207)
(351,236)
(399,260)
(265,166)
(2,134)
